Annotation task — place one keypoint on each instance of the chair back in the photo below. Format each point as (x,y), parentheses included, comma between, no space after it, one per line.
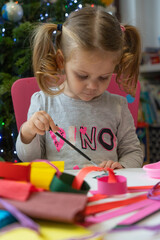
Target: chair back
(133,102)
(23,89)
(21,92)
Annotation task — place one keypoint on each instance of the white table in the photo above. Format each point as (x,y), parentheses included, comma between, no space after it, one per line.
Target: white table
(135,177)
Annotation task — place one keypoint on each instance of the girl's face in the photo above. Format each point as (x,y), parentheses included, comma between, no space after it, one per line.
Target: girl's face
(88,74)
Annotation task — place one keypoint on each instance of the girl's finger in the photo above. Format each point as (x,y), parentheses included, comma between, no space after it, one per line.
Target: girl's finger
(53,126)
(103,164)
(109,164)
(116,165)
(35,127)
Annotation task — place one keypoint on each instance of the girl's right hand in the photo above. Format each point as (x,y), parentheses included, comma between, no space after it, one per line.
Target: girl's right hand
(39,123)
(111,164)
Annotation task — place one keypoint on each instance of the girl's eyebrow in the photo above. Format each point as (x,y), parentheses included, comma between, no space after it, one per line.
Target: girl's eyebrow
(80,71)
(83,72)
(106,74)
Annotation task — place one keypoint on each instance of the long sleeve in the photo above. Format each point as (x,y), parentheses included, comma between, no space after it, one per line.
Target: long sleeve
(102,128)
(35,149)
(129,150)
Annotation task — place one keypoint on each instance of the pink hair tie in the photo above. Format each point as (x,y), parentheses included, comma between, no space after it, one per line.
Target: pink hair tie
(122,28)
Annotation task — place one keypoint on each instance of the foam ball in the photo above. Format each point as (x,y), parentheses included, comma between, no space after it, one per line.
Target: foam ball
(76,167)
(12,12)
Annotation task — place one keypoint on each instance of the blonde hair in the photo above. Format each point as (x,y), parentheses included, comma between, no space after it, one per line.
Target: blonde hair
(88,29)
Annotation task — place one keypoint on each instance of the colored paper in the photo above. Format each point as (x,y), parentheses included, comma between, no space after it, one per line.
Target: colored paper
(145,207)
(111,178)
(14,172)
(96,197)
(6,218)
(153,169)
(118,212)
(79,178)
(64,184)
(50,231)
(134,189)
(96,208)
(61,207)
(141,214)
(16,190)
(23,219)
(112,186)
(152,193)
(42,173)
(133,227)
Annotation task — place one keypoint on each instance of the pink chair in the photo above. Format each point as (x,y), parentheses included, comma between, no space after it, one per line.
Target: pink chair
(133,103)
(23,89)
(21,93)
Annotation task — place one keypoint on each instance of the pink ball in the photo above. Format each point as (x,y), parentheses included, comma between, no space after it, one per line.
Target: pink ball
(76,167)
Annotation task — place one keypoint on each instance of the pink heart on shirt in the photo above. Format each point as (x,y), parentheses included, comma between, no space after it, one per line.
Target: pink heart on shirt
(83,130)
(58,144)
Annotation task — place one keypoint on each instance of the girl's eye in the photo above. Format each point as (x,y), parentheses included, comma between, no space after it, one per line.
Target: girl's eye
(104,78)
(82,77)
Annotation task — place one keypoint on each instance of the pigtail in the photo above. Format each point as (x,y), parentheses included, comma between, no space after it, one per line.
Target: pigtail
(128,68)
(44,58)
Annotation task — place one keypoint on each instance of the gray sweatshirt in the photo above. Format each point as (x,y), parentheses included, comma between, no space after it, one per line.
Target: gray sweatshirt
(102,128)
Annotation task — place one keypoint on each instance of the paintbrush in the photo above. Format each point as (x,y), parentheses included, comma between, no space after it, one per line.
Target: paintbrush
(75,148)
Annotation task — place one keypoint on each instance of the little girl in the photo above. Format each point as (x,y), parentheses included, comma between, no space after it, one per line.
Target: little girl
(73,73)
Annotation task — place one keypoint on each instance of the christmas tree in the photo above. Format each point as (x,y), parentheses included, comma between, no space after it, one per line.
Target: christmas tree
(15,57)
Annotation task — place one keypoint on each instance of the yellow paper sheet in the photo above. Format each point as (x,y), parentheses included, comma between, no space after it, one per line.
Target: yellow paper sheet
(49,231)
(42,173)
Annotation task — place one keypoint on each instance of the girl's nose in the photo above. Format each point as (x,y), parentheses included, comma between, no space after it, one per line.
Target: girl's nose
(92,85)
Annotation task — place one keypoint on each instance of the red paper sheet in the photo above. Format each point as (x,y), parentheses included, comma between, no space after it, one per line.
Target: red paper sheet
(96,197)
(96,208)
(79,178)
(111,178)
(14,172)
(16,190)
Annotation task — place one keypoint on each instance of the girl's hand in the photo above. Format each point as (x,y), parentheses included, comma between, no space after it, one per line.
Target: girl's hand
(39,123)
(111,164)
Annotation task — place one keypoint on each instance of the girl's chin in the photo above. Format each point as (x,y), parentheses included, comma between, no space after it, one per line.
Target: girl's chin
(87,98)
(83,96)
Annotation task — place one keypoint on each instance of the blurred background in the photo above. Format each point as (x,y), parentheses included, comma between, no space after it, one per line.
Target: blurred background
(17,20)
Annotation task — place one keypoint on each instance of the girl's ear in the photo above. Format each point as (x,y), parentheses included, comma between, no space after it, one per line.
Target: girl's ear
(60,59)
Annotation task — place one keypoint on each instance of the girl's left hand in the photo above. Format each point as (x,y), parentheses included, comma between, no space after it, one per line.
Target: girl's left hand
(111,164)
